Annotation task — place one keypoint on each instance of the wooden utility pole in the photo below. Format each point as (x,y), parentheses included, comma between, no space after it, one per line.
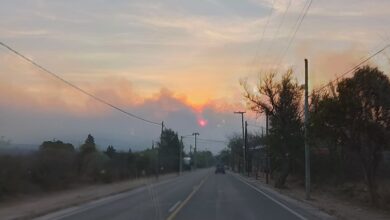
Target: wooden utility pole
(307,150)
(180,155)
(268,160)
(195,163)
(158,151)
(243,137)
(246,148)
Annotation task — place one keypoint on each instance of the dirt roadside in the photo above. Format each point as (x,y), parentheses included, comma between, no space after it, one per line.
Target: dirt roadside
(30,206)
(333,205)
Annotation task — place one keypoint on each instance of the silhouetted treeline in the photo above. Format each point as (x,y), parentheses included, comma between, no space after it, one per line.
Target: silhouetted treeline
(348,130)
(57,165)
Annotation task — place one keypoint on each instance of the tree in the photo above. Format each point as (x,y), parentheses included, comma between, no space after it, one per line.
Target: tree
(364,102)
(354,118)
(56,145)
(94,166)
(224,157)
(88,146)
(204,159)
(235,147)
(110,151)
(325,127)
(281,101)
(55,165)
(84,160)
(169,150)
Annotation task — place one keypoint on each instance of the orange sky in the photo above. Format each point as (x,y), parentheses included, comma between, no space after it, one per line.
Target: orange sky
(191,53)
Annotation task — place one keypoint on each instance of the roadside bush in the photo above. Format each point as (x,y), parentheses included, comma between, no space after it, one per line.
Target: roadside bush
(14,174)
(54,165)
(94,167)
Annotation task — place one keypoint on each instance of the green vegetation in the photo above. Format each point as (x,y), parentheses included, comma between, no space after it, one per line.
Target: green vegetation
(349,128)
(282,102)
(57,165)
(354,119)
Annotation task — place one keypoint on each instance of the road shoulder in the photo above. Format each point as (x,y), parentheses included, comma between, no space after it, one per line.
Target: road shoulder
(34,206)
(300,209)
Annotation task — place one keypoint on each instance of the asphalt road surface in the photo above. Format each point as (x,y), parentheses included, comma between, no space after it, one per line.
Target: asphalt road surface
(195,195)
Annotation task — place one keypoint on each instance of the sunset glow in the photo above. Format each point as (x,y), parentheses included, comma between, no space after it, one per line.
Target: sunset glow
(202,122)
(170,61)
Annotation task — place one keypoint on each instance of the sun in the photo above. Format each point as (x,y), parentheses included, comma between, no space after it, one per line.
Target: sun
(202,122)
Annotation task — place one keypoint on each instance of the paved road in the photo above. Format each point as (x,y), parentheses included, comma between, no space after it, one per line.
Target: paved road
(197,195)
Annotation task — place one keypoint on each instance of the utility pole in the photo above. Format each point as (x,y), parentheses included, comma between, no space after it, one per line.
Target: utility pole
(180,155)
(158,150)
(191,157)
(307,150)
(246,148)
(243,135)
(268,161)
(259,155)
(155,153)
(195,134)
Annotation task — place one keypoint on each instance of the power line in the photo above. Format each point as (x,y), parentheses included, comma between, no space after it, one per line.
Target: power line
(262,35)
(297,25)
(278,28)
(76,87)
(348,71)
(212,140)
(188,135)
(353,68)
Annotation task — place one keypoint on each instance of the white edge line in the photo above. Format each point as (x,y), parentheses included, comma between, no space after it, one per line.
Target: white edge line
(174,206)
(274,200)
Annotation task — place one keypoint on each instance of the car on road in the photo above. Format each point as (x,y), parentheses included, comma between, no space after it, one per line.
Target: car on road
(220,169)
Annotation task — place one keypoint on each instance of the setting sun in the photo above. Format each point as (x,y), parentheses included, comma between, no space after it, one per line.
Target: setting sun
(202,122)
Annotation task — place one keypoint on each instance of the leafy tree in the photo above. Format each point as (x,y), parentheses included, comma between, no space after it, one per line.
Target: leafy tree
(169,150)
(89,145)
(117,166)
(204,159)
(94,167)
(325,127)
(354,118)
(15,174)
(56,145)
(224,157)
(55,165)
(110,151)
(235,147)
(364,102)
(281,101)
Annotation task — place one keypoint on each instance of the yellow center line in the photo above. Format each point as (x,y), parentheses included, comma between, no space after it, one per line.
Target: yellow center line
(177,210)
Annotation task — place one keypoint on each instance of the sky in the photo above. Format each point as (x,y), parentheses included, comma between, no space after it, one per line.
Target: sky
(174,61)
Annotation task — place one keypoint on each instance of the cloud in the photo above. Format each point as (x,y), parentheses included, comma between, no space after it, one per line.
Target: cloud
(176,61)
(32,121)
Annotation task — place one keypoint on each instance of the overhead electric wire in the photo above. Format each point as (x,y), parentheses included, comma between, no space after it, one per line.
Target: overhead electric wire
(278,29)
(263,33)
(76,87)
(348,71)
(294,30)
(353,68)
(212,140)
